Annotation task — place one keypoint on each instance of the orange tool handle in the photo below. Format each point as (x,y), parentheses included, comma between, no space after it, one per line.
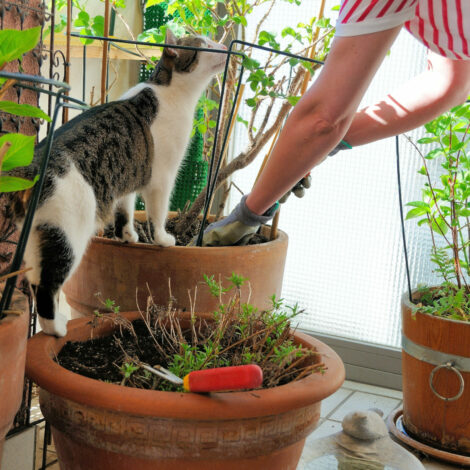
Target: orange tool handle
(224,378)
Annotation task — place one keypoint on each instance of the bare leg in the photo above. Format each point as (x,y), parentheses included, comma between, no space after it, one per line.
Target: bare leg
(445,84)
(323,115)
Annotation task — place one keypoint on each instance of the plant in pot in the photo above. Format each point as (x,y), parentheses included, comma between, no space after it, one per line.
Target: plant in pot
(274,84)
(118,414)
(436,321)
(16,150)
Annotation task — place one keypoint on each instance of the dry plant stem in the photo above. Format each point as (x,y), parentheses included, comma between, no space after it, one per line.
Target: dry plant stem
(16,273)
(243,159)
(104,62)
(131,34)
(6,86)
(263,19)
(13,312)
(67,54)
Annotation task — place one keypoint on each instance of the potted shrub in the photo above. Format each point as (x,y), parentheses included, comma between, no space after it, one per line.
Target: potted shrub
(15,150)
(436,324)
(114,269)
(101,425)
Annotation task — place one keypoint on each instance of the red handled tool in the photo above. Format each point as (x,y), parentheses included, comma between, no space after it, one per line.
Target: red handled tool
(214,380)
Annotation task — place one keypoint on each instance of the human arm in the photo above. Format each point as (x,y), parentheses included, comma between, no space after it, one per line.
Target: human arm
(445,84)
(322,116)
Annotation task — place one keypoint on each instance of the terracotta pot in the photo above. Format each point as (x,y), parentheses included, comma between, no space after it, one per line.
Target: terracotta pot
(13,337)
(433,420)
(116,270)
(101,426)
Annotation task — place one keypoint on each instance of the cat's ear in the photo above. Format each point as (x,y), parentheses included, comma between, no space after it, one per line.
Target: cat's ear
(170,38)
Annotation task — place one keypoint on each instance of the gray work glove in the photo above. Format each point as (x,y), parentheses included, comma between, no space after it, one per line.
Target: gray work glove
(306,181)
(238,227)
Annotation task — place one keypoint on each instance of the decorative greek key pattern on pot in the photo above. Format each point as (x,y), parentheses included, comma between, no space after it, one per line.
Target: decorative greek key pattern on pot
(154,437)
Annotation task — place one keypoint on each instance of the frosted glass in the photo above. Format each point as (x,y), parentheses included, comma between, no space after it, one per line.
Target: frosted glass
(345,263)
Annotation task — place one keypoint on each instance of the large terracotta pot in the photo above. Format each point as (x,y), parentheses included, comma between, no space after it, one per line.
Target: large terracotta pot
(13,337)
(101,426)
(117,270)
(429,342)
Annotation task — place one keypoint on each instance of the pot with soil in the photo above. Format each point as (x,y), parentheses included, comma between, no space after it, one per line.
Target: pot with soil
(436,376)
(13,337)
(122,272)
(105,425)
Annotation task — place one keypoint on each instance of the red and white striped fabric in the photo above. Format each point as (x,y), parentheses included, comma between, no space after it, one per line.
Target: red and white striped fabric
(441,25)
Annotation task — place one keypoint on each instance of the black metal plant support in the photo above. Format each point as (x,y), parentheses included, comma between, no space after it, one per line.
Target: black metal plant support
(61,88)
(215,160)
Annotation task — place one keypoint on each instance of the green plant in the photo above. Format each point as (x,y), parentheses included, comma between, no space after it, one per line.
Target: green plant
(82,21)
(445,210)
(237,334)
(16,149)
(273,82)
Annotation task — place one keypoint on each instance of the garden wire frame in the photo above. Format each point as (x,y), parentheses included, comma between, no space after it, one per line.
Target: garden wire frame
(33,82)
(215,160)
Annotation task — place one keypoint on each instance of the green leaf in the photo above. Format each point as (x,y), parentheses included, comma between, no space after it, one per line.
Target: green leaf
(293,100)
(23,110)
(9,184)
(438,225)
(251,102)
(416,212)
(428,140)
(20,153)
(151,3)
(15,43)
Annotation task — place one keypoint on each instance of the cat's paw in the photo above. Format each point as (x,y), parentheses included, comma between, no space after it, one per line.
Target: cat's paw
(164,239)
(129,235)
(56,327)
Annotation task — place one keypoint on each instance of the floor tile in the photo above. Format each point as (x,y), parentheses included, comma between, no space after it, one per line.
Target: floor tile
(325,429)
(364,401)
(333,401)
(386,392)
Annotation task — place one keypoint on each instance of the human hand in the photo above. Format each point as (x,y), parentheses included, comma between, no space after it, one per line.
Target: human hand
(238,227)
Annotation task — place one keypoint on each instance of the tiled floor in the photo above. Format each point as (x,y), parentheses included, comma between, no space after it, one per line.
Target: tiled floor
(352,396)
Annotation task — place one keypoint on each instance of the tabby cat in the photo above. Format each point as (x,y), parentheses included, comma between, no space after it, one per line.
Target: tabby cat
(101,158)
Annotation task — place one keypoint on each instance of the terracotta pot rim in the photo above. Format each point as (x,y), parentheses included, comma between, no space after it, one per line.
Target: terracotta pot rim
(405,301)
(244,250)
(43,370)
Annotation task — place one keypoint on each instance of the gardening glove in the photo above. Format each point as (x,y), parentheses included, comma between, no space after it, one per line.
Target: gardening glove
(238,227)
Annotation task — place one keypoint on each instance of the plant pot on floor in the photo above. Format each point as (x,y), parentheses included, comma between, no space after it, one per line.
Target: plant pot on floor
(101,426)
(429,343)
(13,338)
(115,270)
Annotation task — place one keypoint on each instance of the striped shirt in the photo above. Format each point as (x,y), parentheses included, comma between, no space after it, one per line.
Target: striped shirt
(441,25)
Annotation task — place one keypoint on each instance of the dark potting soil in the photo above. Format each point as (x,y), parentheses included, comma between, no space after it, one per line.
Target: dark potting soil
(109,358)
(144,231)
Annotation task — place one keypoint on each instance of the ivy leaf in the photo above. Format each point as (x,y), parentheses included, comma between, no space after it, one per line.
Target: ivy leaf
(9,184)
(21,151)
(23,110)
(14,43)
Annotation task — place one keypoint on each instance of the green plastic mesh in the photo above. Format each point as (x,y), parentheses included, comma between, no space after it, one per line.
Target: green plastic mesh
(192,176)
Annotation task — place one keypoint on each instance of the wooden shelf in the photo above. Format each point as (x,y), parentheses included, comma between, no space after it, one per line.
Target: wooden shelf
(95,50)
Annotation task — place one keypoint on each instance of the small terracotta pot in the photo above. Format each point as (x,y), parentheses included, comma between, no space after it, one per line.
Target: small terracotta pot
(433,420)
(13,338)
(101,426)
(126,272)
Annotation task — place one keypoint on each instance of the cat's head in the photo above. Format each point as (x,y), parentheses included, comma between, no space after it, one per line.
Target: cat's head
(193,64)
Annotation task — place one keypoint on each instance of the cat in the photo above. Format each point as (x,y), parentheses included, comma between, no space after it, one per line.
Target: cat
(102,158)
